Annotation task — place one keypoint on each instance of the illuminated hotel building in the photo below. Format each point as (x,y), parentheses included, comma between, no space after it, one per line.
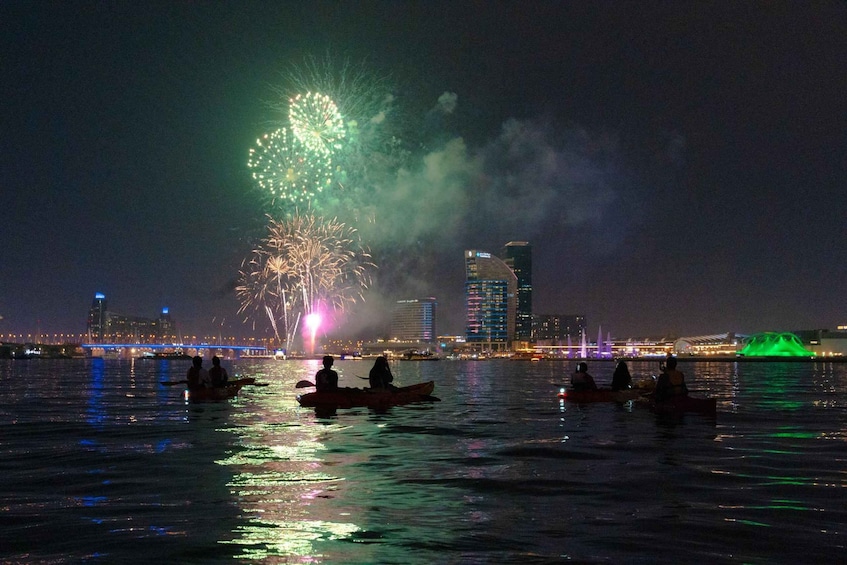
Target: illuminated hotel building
(108,327)
(414,320)
(490,301)
(518,256)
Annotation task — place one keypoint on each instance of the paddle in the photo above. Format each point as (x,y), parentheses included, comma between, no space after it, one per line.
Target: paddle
(172,383)
(304,384)
(247,381)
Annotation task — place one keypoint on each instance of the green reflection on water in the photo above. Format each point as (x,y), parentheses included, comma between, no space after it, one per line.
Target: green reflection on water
(258,455)
(798,435)
(329,492)
(778,480)
(262,539)
(752,523)
(276,476)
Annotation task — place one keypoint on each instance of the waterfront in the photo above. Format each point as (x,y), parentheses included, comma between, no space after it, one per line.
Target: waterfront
(101,463)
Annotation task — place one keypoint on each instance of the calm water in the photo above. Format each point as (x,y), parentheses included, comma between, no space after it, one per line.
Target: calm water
(101,463)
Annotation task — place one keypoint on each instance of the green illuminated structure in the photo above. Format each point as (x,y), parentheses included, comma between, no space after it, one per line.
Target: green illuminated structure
(774,344)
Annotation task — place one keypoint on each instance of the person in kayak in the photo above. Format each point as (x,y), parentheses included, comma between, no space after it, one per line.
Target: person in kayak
(218,374)
(671,382)
(581,380)
(380,376)
(197,376)
(326,380)
(621,379)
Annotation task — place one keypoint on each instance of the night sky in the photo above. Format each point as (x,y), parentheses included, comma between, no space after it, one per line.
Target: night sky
(680,168)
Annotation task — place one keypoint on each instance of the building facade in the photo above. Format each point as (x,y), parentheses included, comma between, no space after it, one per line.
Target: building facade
(557,329)
(109,327)
(490,301)
(97,319)
(518,257)
(414,320)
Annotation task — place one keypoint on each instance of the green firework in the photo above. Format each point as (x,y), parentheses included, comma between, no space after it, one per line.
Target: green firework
(287,171)
(316,122)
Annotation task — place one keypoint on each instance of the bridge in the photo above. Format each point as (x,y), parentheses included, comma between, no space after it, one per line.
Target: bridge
(128,350)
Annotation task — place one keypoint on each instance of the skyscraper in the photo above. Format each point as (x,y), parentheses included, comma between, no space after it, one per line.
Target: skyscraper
(518,256)
(490,301)
(109,327)
(414,320)
(98,319)
(165,327)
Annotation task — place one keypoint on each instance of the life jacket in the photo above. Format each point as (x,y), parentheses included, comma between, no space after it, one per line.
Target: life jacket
(579,381)
(674,385)
(324,381)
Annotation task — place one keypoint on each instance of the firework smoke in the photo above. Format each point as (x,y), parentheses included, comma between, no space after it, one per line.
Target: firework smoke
(419,201)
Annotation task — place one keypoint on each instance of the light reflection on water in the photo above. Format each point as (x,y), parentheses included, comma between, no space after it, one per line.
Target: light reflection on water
(500,471)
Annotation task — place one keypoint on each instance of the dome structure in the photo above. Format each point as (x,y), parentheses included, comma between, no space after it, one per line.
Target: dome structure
(775,344)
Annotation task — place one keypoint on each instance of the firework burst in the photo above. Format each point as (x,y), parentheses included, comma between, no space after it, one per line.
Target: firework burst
(316,122)
(363,97)
(287,171)
(304,265)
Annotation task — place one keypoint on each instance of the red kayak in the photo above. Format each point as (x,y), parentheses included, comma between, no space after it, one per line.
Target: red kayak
(371,398)
(599,395)
(218,394)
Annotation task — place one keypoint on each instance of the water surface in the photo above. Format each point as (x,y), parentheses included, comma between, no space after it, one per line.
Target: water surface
(102,463)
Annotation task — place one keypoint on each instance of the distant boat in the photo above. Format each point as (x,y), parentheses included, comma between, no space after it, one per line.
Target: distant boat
(420,356)
(166,356)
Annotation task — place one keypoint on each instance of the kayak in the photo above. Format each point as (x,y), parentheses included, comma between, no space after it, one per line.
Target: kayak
(218,394)
(599,395)
(680,404)
(371,398)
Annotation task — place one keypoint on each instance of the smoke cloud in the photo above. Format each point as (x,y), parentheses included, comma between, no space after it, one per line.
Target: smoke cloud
(532,181)
(447,102)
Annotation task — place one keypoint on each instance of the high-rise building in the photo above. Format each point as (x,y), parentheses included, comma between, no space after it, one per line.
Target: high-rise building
(108,327)
(490,301)
(555,329)
(165,327)
(414,320)
(98,318)
(518,256)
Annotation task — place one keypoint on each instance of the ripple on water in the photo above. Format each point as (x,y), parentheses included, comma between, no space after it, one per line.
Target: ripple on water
(499,471)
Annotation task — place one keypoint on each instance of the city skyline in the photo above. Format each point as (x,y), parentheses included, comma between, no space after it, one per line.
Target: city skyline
(551,328)
(385,333)
(679,168)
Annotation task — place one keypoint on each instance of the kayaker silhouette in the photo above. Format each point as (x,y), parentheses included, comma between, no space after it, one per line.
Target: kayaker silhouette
(581,380)
(197,376)
(621,379)
(218,374)
(671,382)
(326,380)
(380,376)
